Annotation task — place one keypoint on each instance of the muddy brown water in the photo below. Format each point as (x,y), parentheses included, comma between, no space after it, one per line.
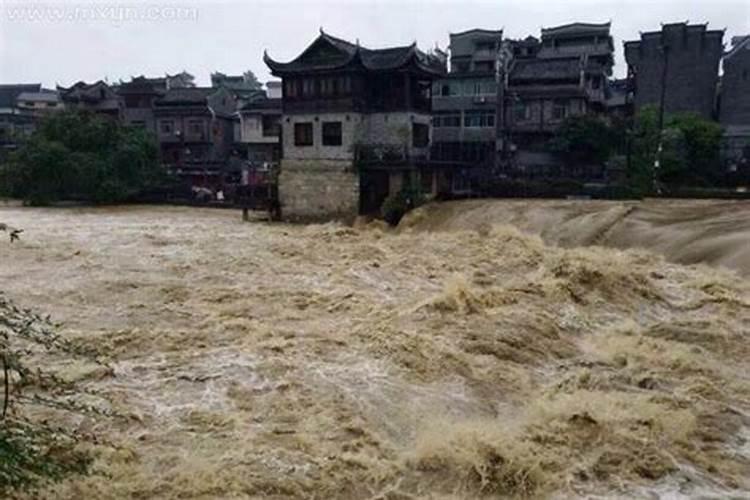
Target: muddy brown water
(455,357)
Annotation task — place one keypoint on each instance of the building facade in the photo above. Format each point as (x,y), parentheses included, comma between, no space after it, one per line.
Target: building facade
(17,121)
(138,97)
(194,127)
(356,123)
(734,110)
(678,65)
(464,105)
(98,97)
(563,74)
(258,135)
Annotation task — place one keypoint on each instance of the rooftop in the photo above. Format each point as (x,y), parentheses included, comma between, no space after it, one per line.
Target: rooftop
(577,29)
(189,95)
(327,53)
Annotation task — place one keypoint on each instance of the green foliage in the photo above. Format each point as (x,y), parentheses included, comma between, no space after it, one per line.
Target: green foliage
(690,153)
(80,156)
(396,205)
(31,450)
(585,139)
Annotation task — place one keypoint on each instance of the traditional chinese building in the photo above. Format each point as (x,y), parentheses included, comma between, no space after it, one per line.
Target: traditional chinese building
(98,97)
(194,127)
(356,126)
(678,65)
(138,97)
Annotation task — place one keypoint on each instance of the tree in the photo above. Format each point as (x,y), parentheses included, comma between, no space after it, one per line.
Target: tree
(34,449)
(584,139)
(79,156)
(690,153)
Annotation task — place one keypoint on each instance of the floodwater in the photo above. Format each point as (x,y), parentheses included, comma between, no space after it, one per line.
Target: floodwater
(459,358)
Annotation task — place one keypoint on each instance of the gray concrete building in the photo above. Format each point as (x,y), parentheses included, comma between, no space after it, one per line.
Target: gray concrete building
(734,110)
(464,105)
(679,64)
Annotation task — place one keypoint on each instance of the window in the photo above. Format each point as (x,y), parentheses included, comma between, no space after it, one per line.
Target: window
(326,86)
(271,125)
(479,119)
(303,134)
(308,87)
(138,123)
(559,109)
(290,87)
(331,133)
(485,66)
(166,127)
(51,104)
(195,127)
(472,88)
(420,134)
(521,112)
(447,119)
(447,89)
(346,85)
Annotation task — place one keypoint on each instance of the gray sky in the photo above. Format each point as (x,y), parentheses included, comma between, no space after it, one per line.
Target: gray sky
(67,41)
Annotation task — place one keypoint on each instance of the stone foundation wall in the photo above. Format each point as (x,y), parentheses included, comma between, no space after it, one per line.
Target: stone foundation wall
(314,190)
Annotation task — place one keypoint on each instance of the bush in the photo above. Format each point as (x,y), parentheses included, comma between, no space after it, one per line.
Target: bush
(33,450)
(396,205)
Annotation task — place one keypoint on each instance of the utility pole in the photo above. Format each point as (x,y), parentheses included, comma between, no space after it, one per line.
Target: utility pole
(657,161)
(501,133)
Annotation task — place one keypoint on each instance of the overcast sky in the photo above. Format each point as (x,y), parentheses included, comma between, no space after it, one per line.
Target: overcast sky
(66,41)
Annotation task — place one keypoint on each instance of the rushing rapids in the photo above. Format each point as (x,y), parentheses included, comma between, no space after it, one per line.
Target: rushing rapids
(454,357)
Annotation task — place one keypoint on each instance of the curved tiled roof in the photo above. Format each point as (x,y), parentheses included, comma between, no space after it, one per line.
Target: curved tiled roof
(346,54)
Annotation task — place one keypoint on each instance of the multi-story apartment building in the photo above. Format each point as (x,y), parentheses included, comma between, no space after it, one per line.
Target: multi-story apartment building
(563,74)
(464,102)
(356,125)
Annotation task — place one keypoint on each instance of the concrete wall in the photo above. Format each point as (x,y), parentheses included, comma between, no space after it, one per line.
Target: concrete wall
(350,130)
(251,129)
(320,182)
(318,189)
